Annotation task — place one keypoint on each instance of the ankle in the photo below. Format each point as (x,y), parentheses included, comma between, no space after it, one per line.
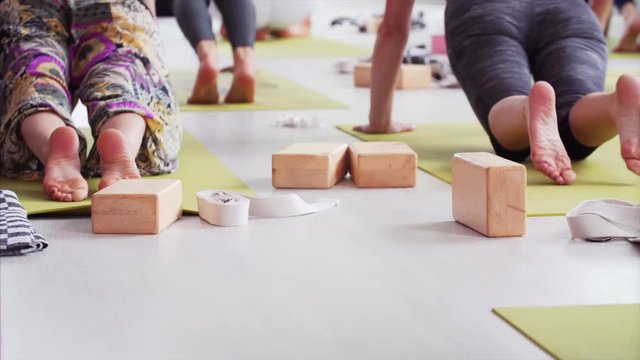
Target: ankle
(207,51)
(243,57)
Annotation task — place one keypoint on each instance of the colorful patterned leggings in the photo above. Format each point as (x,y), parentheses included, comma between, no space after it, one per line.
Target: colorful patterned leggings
(103,53)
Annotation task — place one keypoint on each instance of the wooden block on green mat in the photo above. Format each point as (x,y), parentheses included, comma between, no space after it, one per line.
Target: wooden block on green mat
(382,164)
(489,193)
(411,76)
(136,206)
(309,165)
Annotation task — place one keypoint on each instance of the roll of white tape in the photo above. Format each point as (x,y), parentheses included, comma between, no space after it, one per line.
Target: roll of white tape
(223,208)
(602,220)
(226,208)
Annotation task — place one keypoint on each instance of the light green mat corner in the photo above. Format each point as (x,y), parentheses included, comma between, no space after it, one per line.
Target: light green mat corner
(273,92)
(307,46)
(602,175)
(580,332)
(198,170)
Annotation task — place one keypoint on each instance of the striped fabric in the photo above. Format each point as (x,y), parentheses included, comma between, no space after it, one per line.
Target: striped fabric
(17,235)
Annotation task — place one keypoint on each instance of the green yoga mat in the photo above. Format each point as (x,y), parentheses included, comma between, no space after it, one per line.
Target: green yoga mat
(602,175)
(580,332)
(309,46)
(199,170)
(272,93)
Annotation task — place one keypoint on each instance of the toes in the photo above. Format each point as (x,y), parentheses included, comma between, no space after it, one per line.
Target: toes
(569,176)
(633,165)
(565,176)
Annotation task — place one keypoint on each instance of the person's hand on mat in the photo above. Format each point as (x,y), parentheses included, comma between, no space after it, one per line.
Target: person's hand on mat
(391,128)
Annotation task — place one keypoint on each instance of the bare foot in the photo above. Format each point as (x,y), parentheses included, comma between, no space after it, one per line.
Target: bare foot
(626,112)
(116,163)
(547,151)
(243,87)
(62,178)
(629,40)
(205,89)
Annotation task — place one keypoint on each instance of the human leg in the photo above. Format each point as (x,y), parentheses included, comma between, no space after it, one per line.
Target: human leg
(243,86)
(205,88)
(629,40)
(36,137)
(131,107)
(56,145)
(118,143)
(196,24)
(239,18)
(598,117)
(572,56)
(490,62)
(603,10)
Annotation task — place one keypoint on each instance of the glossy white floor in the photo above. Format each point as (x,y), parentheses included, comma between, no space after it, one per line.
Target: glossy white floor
(387,274)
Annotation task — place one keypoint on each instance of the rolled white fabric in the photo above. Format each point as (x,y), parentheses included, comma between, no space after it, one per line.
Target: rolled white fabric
(223,208)
(605,219)
(226,208)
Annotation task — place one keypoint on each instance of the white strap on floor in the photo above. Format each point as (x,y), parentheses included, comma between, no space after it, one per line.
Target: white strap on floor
(601,220)
(226,208)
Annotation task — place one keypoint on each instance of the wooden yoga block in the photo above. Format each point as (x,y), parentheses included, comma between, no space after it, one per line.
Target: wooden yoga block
(489,193)
(137,206)
(382,164)
(309,165)
(411,76)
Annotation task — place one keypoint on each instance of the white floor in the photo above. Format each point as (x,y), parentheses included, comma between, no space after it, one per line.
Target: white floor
(387,274)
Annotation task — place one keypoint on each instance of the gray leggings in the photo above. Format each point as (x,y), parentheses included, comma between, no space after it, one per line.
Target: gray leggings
(496,46)
(239,17)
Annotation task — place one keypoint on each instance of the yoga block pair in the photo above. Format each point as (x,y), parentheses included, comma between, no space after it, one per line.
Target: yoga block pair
(489,194)
(322,165)
(136,206)
(410,76)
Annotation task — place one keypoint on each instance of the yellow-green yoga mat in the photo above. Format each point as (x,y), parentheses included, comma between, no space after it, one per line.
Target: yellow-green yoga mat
(309,46)
(612,42)
(273,92)
(198,170)
(580,332)
(630,55)
(612,77)
(602,175)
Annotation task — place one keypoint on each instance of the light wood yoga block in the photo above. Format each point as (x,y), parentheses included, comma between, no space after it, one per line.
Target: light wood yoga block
(136,206)
(309,165)
(489,193)
(382,164)
(411,76)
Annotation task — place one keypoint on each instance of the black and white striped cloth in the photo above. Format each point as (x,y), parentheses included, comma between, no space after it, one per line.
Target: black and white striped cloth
(17,235)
